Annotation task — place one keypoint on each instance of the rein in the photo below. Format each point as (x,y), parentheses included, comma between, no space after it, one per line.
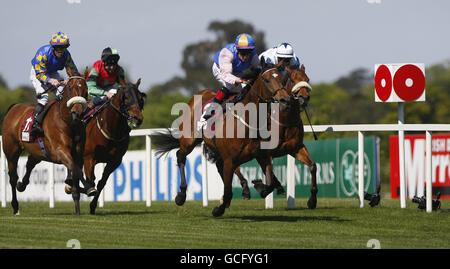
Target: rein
(125,115)
(72,101)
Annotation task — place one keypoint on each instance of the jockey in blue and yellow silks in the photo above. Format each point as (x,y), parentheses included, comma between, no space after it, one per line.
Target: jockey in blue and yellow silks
(49,59)
(229,65)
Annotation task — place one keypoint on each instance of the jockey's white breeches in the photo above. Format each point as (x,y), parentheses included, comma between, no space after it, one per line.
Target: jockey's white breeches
(43,99)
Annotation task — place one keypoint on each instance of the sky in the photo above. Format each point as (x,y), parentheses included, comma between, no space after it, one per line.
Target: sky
(331,38)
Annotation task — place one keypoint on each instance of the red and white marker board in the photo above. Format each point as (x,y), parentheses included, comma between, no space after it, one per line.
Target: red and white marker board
(400,82)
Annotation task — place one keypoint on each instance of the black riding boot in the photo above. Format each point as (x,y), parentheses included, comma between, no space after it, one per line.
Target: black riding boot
(211,108)
(36,128)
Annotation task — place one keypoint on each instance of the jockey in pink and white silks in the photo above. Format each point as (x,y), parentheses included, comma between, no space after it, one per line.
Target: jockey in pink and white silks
(229,65)
(49,59)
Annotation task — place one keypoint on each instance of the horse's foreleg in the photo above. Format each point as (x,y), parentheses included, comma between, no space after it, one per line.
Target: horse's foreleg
(77,174)
(267,168)
(303,156)
(244,184)
(227,177)
(109,168)
(180,199)
(13,177)
(31,163)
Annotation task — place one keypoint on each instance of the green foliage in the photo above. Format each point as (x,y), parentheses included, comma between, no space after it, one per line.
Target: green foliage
(198,58)
(10,97)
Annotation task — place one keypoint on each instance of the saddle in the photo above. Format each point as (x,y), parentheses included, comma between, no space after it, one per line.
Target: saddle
(28,122)
(233,99)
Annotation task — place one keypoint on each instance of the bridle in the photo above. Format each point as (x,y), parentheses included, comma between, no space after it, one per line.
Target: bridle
(78,99)
(122,110)
(271,94)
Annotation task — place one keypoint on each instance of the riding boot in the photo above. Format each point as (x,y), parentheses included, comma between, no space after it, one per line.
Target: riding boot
(221,95)
(36,128)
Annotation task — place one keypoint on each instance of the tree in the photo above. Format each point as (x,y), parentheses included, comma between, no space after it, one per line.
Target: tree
(198,58)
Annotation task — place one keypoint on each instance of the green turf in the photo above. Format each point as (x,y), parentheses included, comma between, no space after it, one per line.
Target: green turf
(336,224)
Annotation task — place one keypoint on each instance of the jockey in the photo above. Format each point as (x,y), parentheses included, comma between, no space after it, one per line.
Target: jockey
(49,59)
(104,78)
(281,53)
(229,65)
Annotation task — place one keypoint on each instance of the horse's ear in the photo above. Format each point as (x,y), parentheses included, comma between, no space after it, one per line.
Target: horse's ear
(138,82)
(86,72)
(302,68)
(70,73)
(122,81)
(263,62)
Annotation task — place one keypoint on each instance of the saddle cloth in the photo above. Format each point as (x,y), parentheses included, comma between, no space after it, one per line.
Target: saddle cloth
(214,116)
(26,127)
(28,122)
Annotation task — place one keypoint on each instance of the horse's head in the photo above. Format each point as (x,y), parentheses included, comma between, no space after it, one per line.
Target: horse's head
(131,104)
(273,84)
(298,82)
(75,95)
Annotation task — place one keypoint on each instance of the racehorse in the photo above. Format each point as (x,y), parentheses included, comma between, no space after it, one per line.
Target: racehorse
(63,141)
(108,135)
(291,129)
(233,151)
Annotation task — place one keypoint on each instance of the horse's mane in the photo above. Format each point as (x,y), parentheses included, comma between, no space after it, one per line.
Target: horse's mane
(10,108)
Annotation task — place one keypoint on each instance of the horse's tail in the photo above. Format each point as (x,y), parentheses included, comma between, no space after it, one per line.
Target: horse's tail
(211,154)
(164,142)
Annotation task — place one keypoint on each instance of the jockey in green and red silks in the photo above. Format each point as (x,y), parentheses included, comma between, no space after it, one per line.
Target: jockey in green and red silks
(104,78)
(49,59)
(228,67)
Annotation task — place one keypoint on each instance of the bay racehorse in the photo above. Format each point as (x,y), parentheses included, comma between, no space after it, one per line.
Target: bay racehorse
(63,141)
(231,151)
(290,126)
(108,134)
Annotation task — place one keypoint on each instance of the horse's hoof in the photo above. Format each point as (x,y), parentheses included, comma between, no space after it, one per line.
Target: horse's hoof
(281,191)
(91,192)
(312,202)
(180,198)
(218,211)
(20,186)
(68,189)
(17,213)
(246,195)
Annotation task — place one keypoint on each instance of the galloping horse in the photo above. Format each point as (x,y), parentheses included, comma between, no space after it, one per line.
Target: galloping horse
(63,142)
(108,135)
(291,128)
(234,151)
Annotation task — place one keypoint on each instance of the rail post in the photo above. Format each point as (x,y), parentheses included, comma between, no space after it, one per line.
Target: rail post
(204,178)
(429,173)
(148,170)
(361,168)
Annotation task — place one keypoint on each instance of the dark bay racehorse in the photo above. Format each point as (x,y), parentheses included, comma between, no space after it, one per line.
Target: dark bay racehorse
(108,134)
(233,151)
(291,133)
(291,128)
(64,138)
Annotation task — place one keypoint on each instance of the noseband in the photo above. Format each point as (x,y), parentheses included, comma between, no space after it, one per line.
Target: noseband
(76,99)
(271,94)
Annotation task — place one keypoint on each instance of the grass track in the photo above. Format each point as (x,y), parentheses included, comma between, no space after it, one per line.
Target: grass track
(335,224)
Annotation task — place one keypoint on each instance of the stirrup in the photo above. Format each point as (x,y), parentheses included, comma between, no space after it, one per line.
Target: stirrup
(36,130)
